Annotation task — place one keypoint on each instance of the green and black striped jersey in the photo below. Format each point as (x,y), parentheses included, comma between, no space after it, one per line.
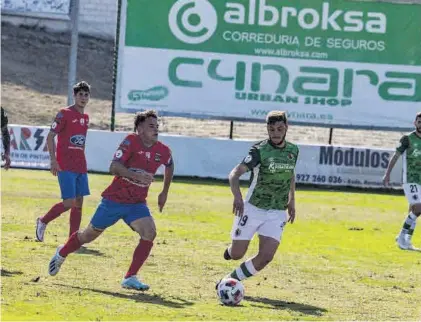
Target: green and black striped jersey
(272,170)
(410,147)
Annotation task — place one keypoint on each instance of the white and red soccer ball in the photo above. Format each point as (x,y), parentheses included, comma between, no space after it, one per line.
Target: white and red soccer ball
(230,291)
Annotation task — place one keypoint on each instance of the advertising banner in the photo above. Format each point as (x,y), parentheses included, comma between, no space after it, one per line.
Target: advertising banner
(61,7)
(28,147)
(346,166)
(342,63)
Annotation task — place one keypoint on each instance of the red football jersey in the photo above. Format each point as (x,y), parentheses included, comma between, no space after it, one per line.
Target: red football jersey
(71,128)
(139,158)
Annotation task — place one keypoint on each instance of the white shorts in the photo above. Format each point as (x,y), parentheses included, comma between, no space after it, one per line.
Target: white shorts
(412,192)
(269,223)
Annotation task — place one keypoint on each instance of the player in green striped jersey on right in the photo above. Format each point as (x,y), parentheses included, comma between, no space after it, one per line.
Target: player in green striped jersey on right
(410,148)
(270,201)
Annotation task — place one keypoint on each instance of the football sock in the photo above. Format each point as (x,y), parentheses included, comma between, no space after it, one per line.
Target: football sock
(245,270)
(54,212)
(414,223)
(227,254)
(72,245)
(141,253)
(407,225)
(75,219)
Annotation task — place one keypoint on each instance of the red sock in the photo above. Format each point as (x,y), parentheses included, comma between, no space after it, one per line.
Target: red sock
(140,255)
(75,219)
(54,212)
(72,245)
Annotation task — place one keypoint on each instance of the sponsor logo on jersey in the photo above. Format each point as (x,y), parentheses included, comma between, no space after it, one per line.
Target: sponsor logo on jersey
(136,183)
(157,157)
(137,170)
(416,153)
(78,140)
(274,167)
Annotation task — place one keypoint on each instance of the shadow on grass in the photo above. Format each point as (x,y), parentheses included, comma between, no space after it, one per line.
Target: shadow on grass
(284,305)
(88,251)
(175,302)
(5,272)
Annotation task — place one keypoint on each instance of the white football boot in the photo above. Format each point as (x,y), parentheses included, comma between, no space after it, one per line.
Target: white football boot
(56,262)
(404,242)
(40,230)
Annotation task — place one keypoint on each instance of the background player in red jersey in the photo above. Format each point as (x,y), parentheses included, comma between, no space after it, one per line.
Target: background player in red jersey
(135,162)
(69,162)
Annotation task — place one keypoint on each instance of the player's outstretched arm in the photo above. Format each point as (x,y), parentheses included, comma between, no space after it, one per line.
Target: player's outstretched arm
(168,175)
(291,201)
(392,162)
(234,179)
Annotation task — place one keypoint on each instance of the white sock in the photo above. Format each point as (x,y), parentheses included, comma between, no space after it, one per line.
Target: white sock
(245,270)
(408,223)
(412,216)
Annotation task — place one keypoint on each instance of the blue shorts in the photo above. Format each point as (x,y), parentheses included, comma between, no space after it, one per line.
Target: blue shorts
(73,184)
(109,212)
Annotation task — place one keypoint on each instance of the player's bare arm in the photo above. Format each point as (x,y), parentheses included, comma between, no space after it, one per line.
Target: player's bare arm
(118,169)
(392,162)
(168,175)
(291,202)
(234,179)
(54,167)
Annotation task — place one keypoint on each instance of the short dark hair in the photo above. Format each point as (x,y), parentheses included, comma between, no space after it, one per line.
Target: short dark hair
(417,116)
(81,86)
(140,117)
(276,116)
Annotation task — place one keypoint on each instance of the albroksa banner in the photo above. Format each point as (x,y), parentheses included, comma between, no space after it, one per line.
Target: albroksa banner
(342,63)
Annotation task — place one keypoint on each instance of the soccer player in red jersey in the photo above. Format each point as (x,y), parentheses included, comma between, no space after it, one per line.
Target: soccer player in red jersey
(68,163)
(134,164)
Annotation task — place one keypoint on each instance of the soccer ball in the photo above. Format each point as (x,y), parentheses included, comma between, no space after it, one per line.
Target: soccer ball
(230,291)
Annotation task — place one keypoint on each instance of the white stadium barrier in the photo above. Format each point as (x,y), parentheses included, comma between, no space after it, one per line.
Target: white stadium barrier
(214,158)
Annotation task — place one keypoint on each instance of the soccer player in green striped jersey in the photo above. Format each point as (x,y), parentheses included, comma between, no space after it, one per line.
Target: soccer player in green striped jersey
(271,194)
(410,148)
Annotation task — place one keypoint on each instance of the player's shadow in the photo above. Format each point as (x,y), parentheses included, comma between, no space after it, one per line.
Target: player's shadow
(282,305)
(6,273)
(174,302)
(89,251)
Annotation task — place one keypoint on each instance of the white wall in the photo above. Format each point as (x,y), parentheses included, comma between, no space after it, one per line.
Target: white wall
(98,18)
(214,158)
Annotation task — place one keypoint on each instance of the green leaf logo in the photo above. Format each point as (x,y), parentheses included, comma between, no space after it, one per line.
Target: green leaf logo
(152,94)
